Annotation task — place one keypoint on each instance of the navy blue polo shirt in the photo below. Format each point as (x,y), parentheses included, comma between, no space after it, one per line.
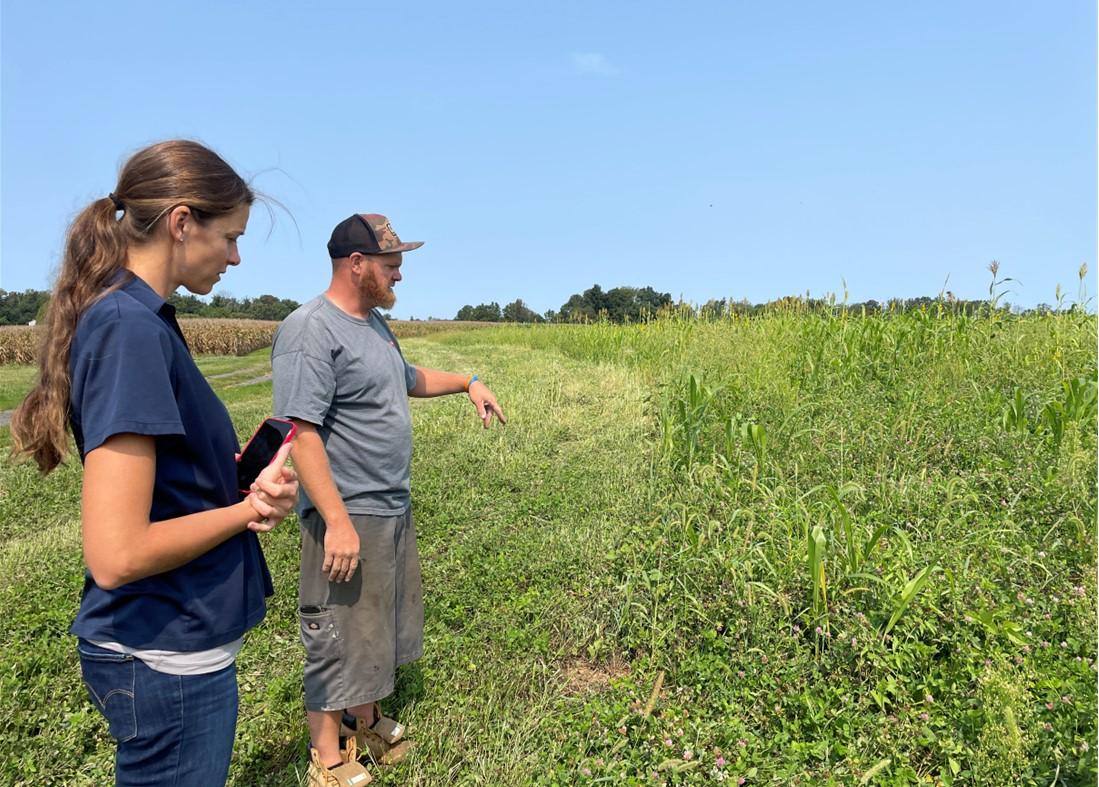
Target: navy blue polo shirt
(133,373)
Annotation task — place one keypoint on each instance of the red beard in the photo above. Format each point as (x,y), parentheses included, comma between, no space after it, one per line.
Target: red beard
(378,293)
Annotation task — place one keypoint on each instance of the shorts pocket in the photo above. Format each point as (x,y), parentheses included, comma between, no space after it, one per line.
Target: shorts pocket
(109,678)
(323,641)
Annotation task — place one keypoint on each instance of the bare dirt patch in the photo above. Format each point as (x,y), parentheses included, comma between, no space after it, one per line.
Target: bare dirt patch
(585,677)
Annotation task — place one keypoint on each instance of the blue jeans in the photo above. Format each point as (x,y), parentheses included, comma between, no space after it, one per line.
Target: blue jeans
(170,729)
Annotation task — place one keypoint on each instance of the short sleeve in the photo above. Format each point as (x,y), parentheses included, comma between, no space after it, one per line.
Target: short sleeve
(303,386)
(409,375)
(122,382)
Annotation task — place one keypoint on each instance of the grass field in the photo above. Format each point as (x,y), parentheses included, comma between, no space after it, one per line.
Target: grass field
(794,549)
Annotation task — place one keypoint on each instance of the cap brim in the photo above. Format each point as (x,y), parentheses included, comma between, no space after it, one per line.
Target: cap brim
(402,247)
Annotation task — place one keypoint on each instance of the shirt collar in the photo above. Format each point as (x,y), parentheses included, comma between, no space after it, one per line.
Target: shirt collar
(134,286)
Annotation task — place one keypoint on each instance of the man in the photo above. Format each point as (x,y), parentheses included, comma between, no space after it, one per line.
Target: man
(339,374)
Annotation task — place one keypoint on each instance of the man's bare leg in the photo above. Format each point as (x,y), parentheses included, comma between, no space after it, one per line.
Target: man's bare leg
(324,733)
(366,712)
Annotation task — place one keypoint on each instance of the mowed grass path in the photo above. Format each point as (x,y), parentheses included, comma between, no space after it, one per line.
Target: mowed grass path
(514,531)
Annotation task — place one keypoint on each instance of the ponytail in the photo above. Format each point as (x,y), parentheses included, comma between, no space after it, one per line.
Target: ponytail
(153,181)
(95,250)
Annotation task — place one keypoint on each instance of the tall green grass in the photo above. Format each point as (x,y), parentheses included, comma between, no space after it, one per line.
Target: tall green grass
(858,518)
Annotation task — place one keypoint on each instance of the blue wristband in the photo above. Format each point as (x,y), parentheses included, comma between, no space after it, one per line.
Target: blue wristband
(472,379)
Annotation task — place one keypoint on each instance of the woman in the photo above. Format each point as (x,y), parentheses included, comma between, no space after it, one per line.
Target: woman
(175,575)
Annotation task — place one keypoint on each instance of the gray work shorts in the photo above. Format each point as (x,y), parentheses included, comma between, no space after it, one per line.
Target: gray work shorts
(357,633)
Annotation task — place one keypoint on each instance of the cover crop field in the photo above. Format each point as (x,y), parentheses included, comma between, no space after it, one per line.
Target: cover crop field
(791,549)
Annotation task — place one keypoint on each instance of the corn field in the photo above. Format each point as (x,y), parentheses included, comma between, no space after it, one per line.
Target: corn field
(18,344)
(205,336)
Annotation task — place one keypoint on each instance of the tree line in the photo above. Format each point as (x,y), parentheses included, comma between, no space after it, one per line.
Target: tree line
(264,307)
(620,304)
(20,308)
(631,304)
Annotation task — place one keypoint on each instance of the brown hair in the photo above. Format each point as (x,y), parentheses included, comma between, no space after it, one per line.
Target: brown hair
(153,182)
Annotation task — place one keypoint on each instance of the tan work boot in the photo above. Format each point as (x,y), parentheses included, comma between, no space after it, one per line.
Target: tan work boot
(350,773)
(382,740)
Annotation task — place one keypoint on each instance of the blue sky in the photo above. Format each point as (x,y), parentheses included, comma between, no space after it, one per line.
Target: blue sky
(724,149)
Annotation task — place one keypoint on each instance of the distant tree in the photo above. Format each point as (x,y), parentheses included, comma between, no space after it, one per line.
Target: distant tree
(621,304)
(19,308)
(268,307)
(517,311)
(485,312)
(596,299)
(265,307)
(220,306)
(651,301)
(186,304)
(575,309)
(713,309)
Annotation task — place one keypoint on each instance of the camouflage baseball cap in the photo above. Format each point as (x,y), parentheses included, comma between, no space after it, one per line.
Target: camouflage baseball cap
(366,233)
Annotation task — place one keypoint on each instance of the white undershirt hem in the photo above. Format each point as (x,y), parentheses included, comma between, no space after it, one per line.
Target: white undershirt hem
(176,662)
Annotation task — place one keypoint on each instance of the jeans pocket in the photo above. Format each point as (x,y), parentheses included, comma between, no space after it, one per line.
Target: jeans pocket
(109,678)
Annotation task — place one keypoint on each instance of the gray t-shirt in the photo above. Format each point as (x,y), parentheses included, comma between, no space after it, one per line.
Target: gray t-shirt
(348,377)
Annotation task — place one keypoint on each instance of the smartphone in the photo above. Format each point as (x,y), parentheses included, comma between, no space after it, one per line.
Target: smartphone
(272,435)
